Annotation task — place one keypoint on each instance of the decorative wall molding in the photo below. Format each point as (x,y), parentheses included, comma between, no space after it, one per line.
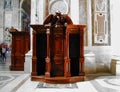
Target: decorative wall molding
(101,23)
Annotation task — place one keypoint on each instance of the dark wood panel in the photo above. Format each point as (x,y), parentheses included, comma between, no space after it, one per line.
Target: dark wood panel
(74,45)
(74,53)
(41,43)
(19,48)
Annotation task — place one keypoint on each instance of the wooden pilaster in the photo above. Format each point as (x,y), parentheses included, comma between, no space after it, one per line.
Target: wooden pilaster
(67,59)
(81,58)
(47,73)
(34,59)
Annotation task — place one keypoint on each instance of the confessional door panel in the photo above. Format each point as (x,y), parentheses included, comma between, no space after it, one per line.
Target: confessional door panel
(41,44)
(74,53)
(57,54)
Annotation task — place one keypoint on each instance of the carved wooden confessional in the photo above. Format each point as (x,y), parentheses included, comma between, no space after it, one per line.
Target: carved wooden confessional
(58,50)
(20,46)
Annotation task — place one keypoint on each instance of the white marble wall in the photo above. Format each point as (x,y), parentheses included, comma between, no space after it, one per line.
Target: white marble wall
(115,36)
(115,26)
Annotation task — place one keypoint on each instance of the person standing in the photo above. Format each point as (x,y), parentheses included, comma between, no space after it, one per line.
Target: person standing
(4,50)
(0,51)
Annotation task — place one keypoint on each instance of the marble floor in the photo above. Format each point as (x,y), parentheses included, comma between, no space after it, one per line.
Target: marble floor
(19,81)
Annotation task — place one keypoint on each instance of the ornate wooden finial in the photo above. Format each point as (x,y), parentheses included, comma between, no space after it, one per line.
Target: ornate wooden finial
(13,29)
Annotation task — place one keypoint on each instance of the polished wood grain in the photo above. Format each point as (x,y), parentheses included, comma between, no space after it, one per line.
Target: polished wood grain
(20,46)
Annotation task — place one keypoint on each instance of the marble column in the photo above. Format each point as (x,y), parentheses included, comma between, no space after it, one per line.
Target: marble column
(15,14)
(28,56)
(1,20)
(40,10)
(74,9)
(89,23)
(37,17)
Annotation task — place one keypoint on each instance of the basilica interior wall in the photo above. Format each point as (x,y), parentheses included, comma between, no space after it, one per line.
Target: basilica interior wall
(98,56)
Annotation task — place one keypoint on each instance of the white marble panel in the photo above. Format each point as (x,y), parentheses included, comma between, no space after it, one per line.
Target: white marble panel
(1,4)
(74,11)
(8,19)
(15,19)
(82,12)
(90,63)
(15,3)
(40,12)
(1,17)
(28,62)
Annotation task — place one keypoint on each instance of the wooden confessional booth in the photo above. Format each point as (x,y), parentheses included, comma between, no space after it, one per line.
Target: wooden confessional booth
(58,50)
(20,46)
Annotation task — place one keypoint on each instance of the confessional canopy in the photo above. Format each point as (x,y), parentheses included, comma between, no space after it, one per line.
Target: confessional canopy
(58,19)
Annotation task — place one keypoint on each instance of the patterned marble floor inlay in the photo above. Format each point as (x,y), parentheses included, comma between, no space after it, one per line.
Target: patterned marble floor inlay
(115,82)
(107,84)
(47,85)
(4,79)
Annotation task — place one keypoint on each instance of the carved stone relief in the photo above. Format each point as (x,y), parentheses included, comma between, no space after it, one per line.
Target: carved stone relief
(58,5)
(7,4)
(101,5)
(101,23)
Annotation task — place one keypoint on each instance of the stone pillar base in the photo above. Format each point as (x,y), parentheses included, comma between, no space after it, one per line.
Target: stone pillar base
(90,63)
(115,66)
(28,62)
